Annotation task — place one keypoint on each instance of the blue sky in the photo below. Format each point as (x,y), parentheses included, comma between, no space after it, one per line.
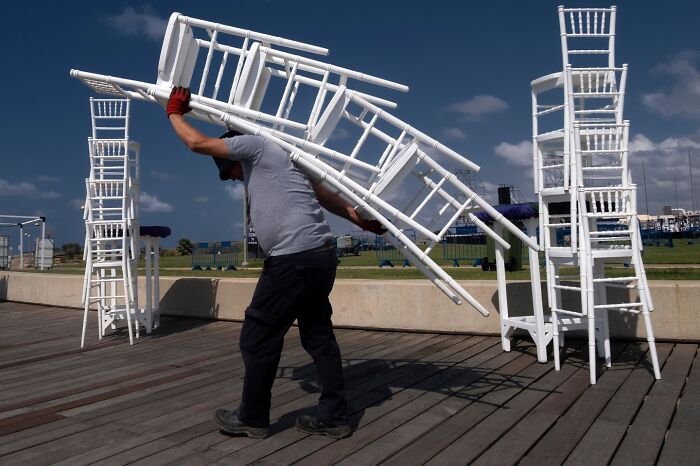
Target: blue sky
(468,64)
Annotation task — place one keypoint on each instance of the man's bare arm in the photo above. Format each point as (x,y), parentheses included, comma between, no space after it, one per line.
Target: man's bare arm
(342,208)
(195,140)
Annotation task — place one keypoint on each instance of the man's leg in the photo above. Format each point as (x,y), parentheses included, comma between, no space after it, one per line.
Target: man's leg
(267,320)
(261,347)
(319,341)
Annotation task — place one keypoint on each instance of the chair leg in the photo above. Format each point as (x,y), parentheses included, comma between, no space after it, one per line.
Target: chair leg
(555,340)
(85,318)
(127,304)
(129,326)
(601,297)
(148,307)
(136,321)
(652,343)
(100,319)
(604,334)
(592,346)
(154,316)
(505,339)
(101,304)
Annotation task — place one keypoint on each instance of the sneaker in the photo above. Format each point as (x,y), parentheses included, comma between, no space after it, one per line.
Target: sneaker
(229,422)
(312,425)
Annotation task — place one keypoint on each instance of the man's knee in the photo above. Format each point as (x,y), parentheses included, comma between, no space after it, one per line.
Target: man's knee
(259,337)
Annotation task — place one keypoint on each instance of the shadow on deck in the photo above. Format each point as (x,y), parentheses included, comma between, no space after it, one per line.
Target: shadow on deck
(415,398)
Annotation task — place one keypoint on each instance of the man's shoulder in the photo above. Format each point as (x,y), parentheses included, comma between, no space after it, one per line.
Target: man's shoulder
(270,147)
(244,147)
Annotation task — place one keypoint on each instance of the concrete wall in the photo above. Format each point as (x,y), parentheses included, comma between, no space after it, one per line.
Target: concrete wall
(389,304)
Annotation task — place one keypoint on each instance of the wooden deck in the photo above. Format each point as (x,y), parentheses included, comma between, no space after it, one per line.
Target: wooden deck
(415,399)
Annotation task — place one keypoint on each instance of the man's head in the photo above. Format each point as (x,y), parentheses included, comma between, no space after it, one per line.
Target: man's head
(229,169)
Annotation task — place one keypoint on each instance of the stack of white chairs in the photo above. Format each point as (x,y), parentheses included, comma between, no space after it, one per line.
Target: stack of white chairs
(332,125)
(584,185)
(111,219)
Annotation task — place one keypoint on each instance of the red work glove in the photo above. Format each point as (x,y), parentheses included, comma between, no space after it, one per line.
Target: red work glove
(178,104)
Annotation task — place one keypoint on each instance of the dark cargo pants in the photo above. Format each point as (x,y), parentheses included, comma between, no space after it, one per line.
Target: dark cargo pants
(293,286)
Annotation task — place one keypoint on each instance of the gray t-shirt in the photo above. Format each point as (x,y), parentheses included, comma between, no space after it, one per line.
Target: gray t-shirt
(283,206)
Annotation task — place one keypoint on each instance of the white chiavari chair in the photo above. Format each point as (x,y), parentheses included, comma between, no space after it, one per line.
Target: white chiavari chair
(391,171)
(584,185)
(587,36)
(111,219)
(265,81)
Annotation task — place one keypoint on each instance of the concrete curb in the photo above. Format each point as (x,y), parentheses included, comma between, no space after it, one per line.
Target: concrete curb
(383,304)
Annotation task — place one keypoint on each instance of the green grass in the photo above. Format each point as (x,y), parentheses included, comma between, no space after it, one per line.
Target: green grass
(186,262)
(681,253)
(369,258)
(400,273)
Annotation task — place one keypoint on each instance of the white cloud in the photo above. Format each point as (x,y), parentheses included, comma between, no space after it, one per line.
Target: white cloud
(490,192)
(478,106)
(77,203)
(142,21)
(339,134)
(25,189)
(641,143)
(201,199)
(665,164)
(519,154)
(682,95)
(149,203)
(47,179)
(236,191)
(454,133)
(162,175)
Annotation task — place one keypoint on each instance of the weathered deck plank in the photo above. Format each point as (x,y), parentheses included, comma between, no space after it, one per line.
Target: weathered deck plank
(414,398)
(682,445)
(603,438)
(645,437)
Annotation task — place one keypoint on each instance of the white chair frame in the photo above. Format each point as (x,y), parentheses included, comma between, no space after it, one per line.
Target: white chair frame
(338,180)
(257,63)
(111,219)
(588,23)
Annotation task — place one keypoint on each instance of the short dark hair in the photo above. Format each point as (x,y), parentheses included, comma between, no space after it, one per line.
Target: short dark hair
(224,165)
(230,134)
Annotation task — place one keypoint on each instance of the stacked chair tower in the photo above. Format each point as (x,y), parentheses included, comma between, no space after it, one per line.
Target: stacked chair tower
(111,219)
(332,125)
(584,186)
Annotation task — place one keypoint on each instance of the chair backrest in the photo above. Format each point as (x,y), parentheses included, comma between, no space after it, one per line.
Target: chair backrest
(587,35)
(596,95)
(179,51)
(549,105)
(112,187)
(610,203)
(247,88)
(110,118)
(113,159)
(602,157)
